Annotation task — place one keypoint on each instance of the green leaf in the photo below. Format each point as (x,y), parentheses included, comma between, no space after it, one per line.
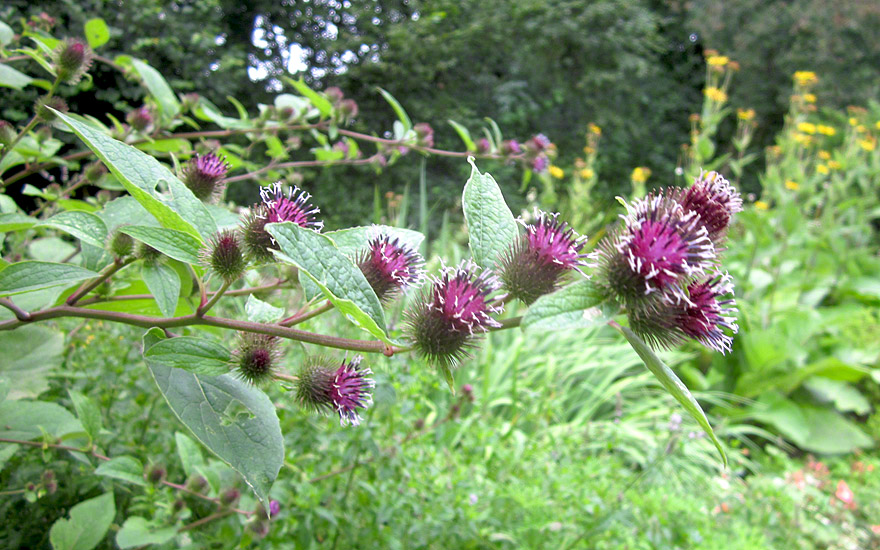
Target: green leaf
(189,453)
(673,385)
(235,421)
(577,305)
(843,396)
(158,87)
(30,275)
(87,412)
(259,311)
(11,78)
(137,531)
(170,145)
(15,222)
(320,102)
(27,420)
(464,134)
(97,33)
(775,409)
(164,285)
(191,354)
(88,523)
(30,353)
(86,227)
(354,239)
(339,278)
(398,110)
(175,244)
(831,433)
(126,468)
(7,35)
(491,227)
(140,173)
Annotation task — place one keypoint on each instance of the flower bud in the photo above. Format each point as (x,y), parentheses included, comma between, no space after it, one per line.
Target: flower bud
(390,266)
(225,256)
(7,133)
(484,147)
(44,103)
(537,261)
(178,506)
(511,147)
(204,174)
(196,484)
(540,163)
(348,108)
(334,94)
(425,134)
(538,143)
(93,171)
(189,101)
(323,386)
(147,253)
(229,497)
(141,119)
(121,245)
(71,60)
(274,508)
(155,474)
(256,358)
(447,318)
(258,527)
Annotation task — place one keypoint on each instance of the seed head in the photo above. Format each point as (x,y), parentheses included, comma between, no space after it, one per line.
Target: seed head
(390,266)
(203,174)
(256,358)
(323,387)
(72,59)
(537,261)
(225,255)
(448,317)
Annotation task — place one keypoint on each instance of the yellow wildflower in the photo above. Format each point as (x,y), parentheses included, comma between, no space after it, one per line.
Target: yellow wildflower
(717,60)
(803,139)
(595,129)
(861,129)
(822,169)
(761,205)
(805,78)
(877,125)
(715,94)
(866,144)
(589,150)
(834,165)
(641,174)
(793,185)
(810,98)
(556,172)
(745,114)
(807,127)
(587,173)
(826,130)
(824,155)
(774,150)
(853,121)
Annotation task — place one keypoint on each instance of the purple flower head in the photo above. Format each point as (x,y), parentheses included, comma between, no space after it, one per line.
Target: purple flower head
(203,175)
(537,261)
(483,146)
(390,266)
(225,255)
(540,163)
(540,142)
(274,508)
(348,108)
(511,147)
(445,320)
(334,94)
(141,119)
(256,358)
(714,199)
(294,207)
(659,249)
(72,60)
(710,308)
(425,134)
(344,389)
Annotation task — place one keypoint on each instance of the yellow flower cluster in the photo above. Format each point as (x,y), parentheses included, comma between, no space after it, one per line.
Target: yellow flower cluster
(867,144)
(641,174)
(834,165)
(717,60)
(802,139)
(761,205)
(826,130)
(793,185)
(556,172)
(877,125)
(807,127)
(715,94)
(745,114)
(822,169)
(587,173)
(594,129)
(809,98)
(853,121)
(805,78)
(824,155)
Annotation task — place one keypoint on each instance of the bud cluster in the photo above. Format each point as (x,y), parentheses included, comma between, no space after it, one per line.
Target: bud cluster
(662,264)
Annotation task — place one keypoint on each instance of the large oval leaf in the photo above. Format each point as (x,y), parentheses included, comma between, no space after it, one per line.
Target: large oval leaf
(30,275)
(195,355)
(577,305)
(86,227)
(337,276)
(490,224)
(175,244)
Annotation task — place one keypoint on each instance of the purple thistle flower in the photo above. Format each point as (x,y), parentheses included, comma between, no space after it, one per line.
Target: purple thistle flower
(274,508)
(256,358)
(225,256)
(536,262)
(141,119)
(425,134)
(511,147)
(714,199)
(707,312)
(540,142)
(72,59)
(294,207)
(660,247)
(344,389)
(540,163)
(446,318)
(390,266)
(203,175)
(483,146)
